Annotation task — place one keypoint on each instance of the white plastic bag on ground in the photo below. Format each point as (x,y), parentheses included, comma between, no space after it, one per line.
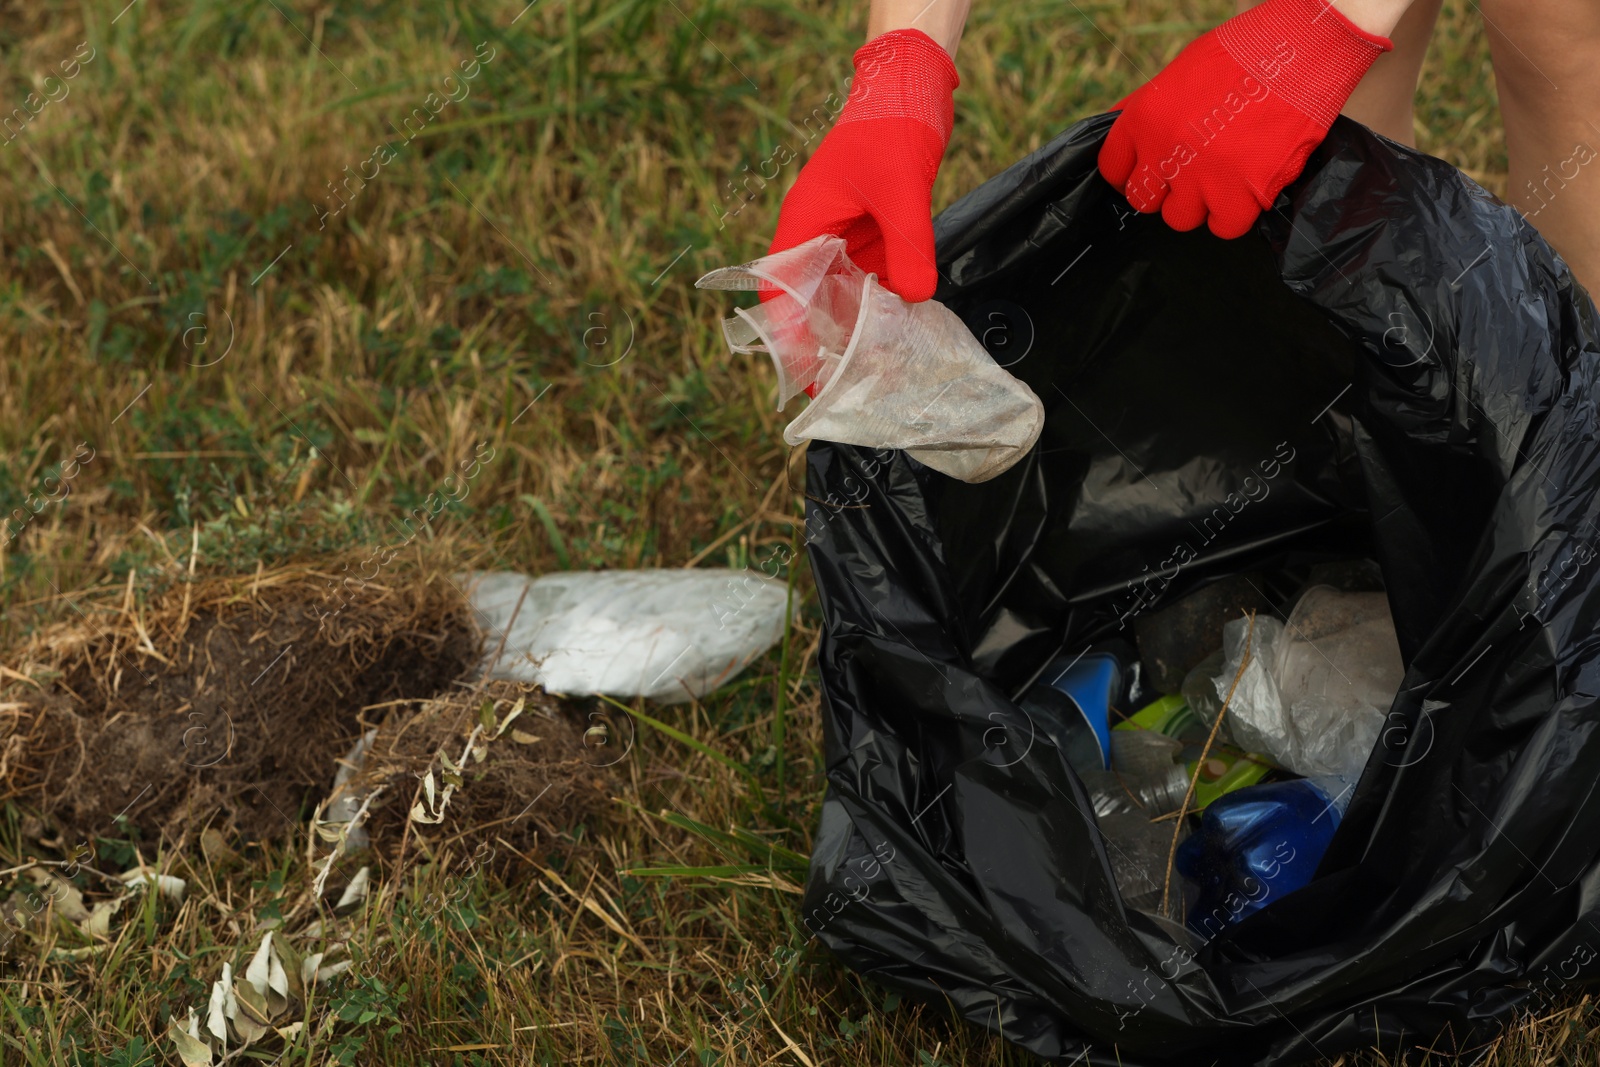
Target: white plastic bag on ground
(663,634)
(1316,692)
(887,373)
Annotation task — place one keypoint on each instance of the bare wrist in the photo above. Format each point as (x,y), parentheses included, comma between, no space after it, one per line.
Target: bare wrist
(942,20)
(1375,16)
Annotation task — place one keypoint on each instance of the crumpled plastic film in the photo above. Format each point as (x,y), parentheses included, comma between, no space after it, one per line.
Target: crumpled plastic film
(1294,701)
(887,374)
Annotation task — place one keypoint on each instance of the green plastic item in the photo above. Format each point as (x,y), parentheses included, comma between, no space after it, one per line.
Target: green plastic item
(1172,716)
(1242,770)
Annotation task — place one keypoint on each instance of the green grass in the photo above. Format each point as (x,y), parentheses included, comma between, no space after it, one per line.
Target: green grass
(260,386)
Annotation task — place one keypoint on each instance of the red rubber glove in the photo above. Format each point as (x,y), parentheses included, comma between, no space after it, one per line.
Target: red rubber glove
(871,179)
(1217,135)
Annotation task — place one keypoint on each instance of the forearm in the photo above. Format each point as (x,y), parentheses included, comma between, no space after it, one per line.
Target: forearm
(943,20)
(1374,16)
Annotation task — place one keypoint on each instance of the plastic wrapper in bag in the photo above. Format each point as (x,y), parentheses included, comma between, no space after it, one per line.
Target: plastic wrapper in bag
(1392,365)
(1256,719)
(887,374)
(1338,668)
(1313,701)
(1201,694)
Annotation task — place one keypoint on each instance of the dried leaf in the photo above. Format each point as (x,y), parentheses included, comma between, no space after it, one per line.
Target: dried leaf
(248,1029)
(81,953)
(216,849)
(252,1005)
(230,1003)
(431,812)
(256,973)
(191,1050)
(308,967)
(277,986)
(325,973)
(98,924)
(524,738)
(217,1009)
(62,894)
(289,956)
(516,709)
(268,980)
(356,891)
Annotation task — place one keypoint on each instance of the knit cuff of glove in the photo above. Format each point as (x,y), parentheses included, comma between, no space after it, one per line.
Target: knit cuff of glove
(903,74)
(1304,51)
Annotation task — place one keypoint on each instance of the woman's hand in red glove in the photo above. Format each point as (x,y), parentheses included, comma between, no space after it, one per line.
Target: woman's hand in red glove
(1217,134)
(871,179)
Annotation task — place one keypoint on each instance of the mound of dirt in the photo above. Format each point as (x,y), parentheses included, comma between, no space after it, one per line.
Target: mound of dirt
(227,703)
(530,771)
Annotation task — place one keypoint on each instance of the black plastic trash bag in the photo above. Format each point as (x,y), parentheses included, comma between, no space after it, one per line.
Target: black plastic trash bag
(1393,365)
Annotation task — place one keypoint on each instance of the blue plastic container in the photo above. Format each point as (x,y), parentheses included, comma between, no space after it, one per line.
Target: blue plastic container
(1256,845)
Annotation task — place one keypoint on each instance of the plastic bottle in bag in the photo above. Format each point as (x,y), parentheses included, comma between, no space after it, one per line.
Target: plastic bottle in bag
(1138,850)
(1256,845)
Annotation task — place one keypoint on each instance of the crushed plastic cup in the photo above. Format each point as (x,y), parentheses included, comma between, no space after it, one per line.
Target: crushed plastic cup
(1339,652)
(886,373)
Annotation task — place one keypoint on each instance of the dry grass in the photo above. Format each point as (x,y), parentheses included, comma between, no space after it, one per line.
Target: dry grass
(508,302)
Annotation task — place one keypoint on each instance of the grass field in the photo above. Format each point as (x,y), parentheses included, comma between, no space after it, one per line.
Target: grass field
(270,364)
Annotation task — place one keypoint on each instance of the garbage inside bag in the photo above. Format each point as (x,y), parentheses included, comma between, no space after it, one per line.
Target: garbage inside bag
(1393,366)
(1143,754)
(1145,776)
(1076,697)
(1139,849)
(1215,767)
(887,373)
(669,635)
(1174,639)
(1200,692)
(1316,690)
(1339,659)
(1256,845)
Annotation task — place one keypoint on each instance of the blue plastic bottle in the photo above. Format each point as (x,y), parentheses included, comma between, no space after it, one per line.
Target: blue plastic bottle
(1256,845)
